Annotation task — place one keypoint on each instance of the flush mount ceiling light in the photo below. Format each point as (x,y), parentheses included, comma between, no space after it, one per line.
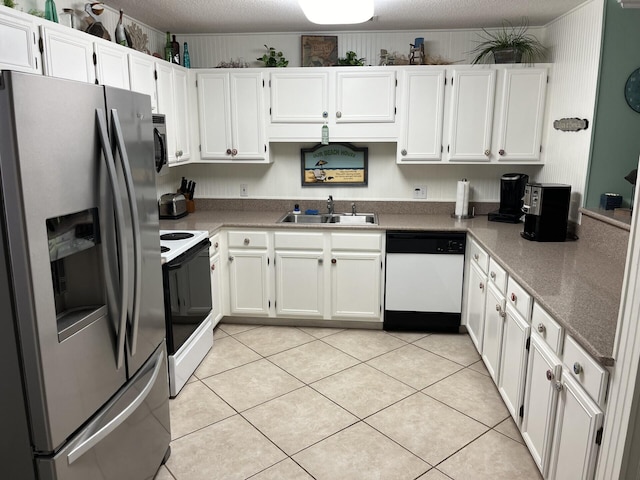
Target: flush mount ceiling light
(337,12)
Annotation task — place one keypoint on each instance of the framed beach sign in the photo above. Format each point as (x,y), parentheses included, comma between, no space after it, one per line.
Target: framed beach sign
(336,164)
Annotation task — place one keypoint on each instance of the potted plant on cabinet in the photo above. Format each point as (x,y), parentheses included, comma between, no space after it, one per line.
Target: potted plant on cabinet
(510,44)
(351,58)
(273,58)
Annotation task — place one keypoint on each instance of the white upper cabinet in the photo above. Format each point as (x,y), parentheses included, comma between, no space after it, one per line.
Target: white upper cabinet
(521,113)
(471,114)
(232,116)
(112,65)
(67,53)
(142,76)
(173,102)
(357,103)
(18,43)
(422,115)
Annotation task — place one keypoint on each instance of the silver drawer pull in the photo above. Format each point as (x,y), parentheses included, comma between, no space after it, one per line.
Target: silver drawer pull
(493,275)
(247,241)
(541,328)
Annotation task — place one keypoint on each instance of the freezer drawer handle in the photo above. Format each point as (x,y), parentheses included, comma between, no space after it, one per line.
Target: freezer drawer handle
(98,436)
(122,244)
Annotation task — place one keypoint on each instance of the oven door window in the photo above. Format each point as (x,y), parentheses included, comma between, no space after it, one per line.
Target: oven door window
(187,296)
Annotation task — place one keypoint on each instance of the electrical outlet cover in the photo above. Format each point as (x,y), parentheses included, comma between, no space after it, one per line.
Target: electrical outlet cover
(244,190)
(420,191)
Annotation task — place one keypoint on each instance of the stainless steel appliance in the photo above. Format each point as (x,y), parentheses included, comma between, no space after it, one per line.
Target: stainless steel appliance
(187,302)
(546,208)
(511,197)
(82,351)
(172,205)
(161,154)
(424,273)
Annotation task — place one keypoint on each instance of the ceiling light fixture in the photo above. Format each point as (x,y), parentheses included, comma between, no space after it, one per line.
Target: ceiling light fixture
(337,12)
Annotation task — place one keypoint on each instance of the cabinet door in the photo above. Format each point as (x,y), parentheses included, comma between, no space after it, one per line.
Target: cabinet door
(521,114)
(299,283)
(513,362)
(471,123)
(216,307)
(215,115)
(299,97)
(248,282)
(165,106)
(18,44)
(142,77)
(247,116)
(112,65)
(540,398)
(476,299)
(181,108)
(68,55)
(355,285)
(575,446)
(365,97)
(493,328)
(421,137)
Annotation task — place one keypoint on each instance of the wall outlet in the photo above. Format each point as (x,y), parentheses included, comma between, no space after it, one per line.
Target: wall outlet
(244,190)
(420,191)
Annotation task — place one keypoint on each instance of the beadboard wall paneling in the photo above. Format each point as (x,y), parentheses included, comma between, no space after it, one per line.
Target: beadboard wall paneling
(574,42)
(387,180)
(209,50)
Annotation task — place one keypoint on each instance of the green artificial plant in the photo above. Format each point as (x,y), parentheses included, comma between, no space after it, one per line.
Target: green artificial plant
(512,42)
(273,58)
(351,59)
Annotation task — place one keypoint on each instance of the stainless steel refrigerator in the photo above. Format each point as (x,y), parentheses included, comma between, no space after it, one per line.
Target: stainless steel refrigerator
(83,369)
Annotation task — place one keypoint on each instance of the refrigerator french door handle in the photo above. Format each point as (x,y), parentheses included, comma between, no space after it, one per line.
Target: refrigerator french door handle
(100,434)
(120,223)
(135,227)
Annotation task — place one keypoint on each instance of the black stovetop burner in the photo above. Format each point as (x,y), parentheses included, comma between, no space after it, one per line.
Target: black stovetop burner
(176,236)
(164,249)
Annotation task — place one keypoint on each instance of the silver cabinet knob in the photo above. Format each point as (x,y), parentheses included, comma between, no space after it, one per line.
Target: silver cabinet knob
(215,245)
(213,267)
(541,328)
(325,114)
(577,368)
(501,152)
(228,151)
(498,307)
(558,386)
(475,257)
(320,261)
(503,314)
(487,153)
(230,258)
(234,152)
(334,261)
(247,241)
(513,297)
(481,286)
(493,275)
(403,151)
(550,375)
(338,114)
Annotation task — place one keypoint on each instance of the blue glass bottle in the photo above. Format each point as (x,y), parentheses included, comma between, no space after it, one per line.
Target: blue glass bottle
(50,11)
(186,60)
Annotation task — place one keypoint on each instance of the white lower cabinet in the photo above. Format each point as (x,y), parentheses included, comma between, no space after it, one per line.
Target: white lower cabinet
(476,300)
(493,328)
(513,362)
(249,273)
(355,285)
(540,400)
(300,283)
(216,309)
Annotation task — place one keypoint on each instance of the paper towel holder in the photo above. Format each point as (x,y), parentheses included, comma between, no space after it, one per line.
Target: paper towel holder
(465,217)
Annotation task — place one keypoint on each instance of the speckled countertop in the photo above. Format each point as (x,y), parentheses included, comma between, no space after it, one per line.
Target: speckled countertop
(576,283)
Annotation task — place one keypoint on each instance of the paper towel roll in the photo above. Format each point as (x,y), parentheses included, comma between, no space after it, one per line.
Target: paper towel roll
(462,198)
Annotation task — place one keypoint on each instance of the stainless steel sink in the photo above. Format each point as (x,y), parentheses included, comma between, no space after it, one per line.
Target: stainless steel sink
(334,218)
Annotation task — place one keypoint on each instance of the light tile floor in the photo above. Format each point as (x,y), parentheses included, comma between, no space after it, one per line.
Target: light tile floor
(291,403)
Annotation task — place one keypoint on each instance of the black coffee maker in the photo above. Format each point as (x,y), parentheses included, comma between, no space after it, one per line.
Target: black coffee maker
(511,194)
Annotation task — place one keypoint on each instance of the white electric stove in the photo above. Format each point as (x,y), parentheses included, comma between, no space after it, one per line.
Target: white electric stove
(187,302)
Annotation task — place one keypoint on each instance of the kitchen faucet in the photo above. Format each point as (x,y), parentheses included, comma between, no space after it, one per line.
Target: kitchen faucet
(353,208)
(330,205)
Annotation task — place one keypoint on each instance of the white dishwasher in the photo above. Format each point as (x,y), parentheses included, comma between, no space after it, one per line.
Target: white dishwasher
(424,275)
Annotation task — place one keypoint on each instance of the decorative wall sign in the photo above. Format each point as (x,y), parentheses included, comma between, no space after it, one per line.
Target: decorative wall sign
(319,51)
(632,90)
(336,164)
(571,124)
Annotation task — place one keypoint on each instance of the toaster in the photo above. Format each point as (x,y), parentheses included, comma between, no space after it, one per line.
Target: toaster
(172,205)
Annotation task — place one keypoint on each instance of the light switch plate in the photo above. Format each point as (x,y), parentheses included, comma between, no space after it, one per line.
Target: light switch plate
(420,191)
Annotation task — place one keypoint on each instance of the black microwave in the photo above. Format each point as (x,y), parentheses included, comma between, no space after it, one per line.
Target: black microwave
(160,144)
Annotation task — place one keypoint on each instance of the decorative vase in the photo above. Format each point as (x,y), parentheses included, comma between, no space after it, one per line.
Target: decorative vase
(507,55)
(50,11)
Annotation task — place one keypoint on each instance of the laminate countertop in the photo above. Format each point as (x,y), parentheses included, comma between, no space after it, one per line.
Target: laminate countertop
(579,285)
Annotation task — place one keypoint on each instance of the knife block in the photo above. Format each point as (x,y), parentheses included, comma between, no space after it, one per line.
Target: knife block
(191,206)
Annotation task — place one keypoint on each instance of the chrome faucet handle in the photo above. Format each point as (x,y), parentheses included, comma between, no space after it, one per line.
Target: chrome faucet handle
(353,208)
(330,204)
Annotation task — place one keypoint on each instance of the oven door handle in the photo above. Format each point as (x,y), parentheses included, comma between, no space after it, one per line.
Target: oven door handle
(135,228)
(188,255)
(120,228)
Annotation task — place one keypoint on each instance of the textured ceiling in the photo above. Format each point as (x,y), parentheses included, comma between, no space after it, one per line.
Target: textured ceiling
(241,16)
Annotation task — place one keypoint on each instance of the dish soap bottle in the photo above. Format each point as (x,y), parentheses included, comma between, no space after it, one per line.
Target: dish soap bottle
(121,36)
(186,60)
(50,11)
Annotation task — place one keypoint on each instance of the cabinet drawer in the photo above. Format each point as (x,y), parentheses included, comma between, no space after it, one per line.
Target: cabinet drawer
(479,256)
(356,241)
(585,370)
(498,276)
(519,299)
(248,239)
(297,240)
(547,328)
(215,245)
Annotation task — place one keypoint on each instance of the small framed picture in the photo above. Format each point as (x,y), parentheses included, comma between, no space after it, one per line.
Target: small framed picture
(336,164)
(319,51)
